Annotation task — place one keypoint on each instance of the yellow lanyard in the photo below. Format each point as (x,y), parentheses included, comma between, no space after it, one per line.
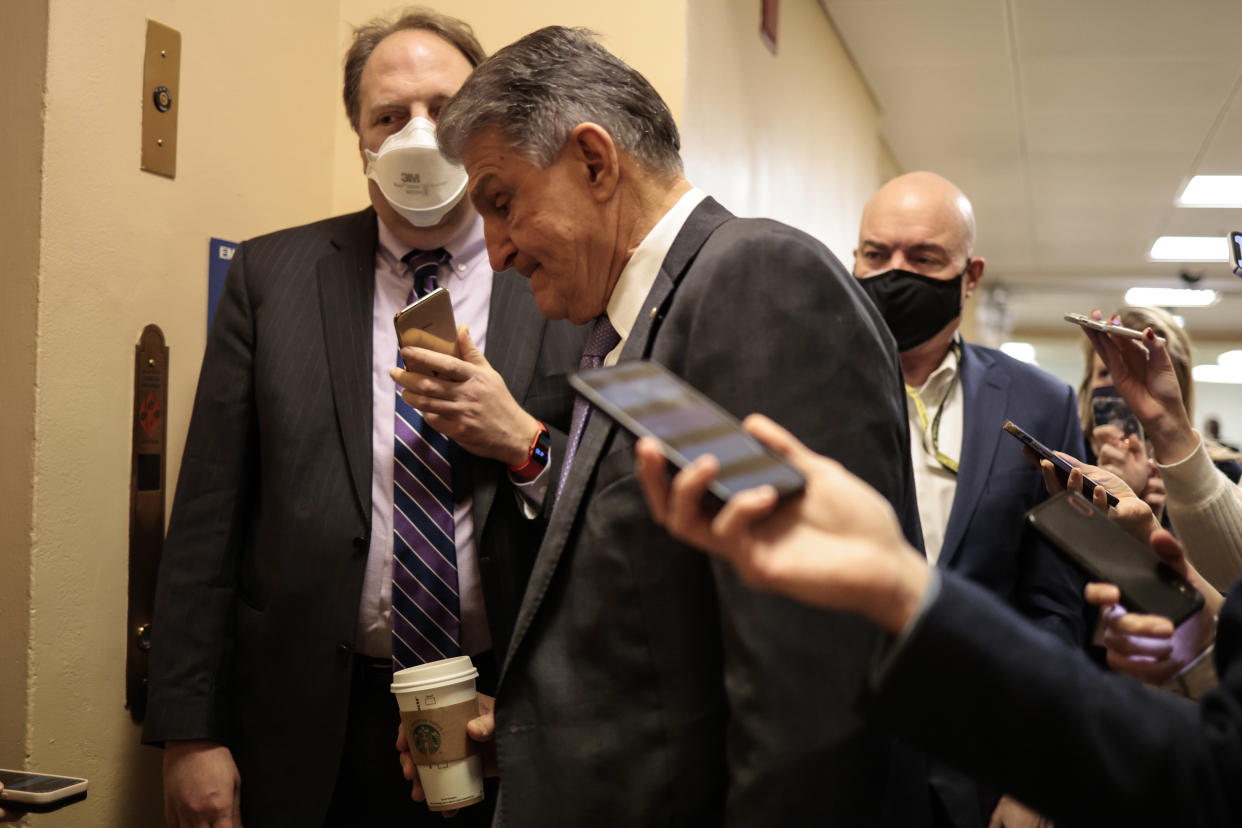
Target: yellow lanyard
(941,458)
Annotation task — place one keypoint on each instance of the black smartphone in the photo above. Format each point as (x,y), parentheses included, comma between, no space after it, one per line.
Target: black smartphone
(428,323)
(40,791)
(1086,536)
(648,400)
(1088,485)
(1235,252)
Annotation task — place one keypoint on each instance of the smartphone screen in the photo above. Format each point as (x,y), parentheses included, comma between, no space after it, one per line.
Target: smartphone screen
(1088,485)
(1086,536)
(647,399)
(36,788)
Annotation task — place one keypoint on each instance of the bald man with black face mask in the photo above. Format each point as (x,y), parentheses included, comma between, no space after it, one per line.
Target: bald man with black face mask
(915,259)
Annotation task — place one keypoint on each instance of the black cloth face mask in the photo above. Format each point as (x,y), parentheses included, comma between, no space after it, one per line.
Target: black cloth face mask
(915,307)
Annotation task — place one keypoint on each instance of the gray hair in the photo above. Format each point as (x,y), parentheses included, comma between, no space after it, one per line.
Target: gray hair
(537,90)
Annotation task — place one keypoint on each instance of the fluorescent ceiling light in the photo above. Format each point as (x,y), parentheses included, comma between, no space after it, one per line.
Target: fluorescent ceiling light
(1228,369)
(1190,249)
(1212,191)
(1171,297)
(1217,373)
(1022,351)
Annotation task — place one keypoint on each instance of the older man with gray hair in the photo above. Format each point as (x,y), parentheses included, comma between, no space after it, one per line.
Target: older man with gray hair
(645,685)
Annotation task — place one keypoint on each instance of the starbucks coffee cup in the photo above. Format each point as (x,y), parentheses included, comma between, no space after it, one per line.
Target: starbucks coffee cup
(437,699)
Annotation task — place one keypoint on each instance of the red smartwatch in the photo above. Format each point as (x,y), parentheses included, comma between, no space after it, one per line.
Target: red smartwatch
(536,459)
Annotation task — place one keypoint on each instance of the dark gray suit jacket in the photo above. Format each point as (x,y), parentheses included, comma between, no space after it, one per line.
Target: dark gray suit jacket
(258,591)
(646,685)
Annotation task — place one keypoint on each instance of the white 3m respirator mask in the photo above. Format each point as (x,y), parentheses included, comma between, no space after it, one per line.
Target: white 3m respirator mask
(414,177)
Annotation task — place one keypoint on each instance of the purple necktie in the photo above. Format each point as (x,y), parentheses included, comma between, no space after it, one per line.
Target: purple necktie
(603,338)
(426,610)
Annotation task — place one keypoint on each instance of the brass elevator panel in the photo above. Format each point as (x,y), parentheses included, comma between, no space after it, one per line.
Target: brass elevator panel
(161,89)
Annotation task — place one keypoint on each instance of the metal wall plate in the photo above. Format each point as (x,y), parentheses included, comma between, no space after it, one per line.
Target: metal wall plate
(161,79)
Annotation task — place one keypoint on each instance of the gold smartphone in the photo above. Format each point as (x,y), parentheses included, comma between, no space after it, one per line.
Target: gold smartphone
(428,323)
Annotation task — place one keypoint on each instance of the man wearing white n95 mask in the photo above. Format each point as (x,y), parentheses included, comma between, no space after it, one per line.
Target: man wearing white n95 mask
(274,643)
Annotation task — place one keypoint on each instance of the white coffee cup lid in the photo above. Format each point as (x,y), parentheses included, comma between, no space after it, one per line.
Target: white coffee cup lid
(433,674)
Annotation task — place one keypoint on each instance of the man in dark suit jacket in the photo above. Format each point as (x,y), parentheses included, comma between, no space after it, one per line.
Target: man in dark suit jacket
(261,675)
(916,259)
(645,686)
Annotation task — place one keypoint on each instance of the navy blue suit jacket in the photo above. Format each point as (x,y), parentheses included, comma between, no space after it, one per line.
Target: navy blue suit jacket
(986,539)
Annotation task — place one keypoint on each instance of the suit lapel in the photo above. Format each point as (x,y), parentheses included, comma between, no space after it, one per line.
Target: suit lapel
(703,221)
(346,294)
(984,391)
(515,331)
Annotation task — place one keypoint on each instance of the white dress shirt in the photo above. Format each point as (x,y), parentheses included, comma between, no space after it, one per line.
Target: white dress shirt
(934,484)
(640,272)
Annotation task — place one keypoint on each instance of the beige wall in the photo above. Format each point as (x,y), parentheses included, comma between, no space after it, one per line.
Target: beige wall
(648,34)
(791,136)
(121,248)
(95,249)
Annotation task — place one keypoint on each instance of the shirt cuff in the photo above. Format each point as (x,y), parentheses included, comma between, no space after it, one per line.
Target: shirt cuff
(1191,479)
(891,649)
(531,493)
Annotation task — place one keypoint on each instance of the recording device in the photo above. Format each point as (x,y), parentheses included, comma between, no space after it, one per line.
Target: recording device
(648,400)
(1108,407)
(40,791)
(1101,548)
(428,323)
(1235,252)
(1104,327)
(1088,485)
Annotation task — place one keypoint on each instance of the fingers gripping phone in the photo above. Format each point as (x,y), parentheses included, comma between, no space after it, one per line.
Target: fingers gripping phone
(1109,408)
(1088,485)
(1104,327)
(35,791)
(648,400)
(1091,541)
(428,323)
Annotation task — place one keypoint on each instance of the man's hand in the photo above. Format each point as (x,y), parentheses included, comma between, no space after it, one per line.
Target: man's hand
(838,545)
(1147,646)
(1143,375)
(1010,813)
(9,813)
(481,729)
(466,400)
(201,785)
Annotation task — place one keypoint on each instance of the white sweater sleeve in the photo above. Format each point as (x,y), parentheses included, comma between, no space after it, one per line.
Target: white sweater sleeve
(1205,508)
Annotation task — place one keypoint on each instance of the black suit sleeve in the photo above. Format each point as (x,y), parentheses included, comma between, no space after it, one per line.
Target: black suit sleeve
(1036,718)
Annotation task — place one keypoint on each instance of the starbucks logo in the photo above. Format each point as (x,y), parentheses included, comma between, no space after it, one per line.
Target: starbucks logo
(427,739)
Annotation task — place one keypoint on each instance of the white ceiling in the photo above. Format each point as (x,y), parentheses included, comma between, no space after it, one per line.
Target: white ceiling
(1072,125)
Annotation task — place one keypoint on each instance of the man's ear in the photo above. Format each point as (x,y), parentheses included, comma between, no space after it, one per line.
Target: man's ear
(593,148)
(974,272)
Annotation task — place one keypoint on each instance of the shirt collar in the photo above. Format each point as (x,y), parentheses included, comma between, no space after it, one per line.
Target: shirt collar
(640,272)
(945,374)
(463,246)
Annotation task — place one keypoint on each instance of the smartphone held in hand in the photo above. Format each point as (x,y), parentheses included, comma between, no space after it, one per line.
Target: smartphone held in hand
(1097,545)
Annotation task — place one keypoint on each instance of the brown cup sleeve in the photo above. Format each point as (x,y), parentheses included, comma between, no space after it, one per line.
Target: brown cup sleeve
(438,734)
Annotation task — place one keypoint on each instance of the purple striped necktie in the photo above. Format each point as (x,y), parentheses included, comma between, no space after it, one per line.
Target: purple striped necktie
(426,610)
(603,338)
